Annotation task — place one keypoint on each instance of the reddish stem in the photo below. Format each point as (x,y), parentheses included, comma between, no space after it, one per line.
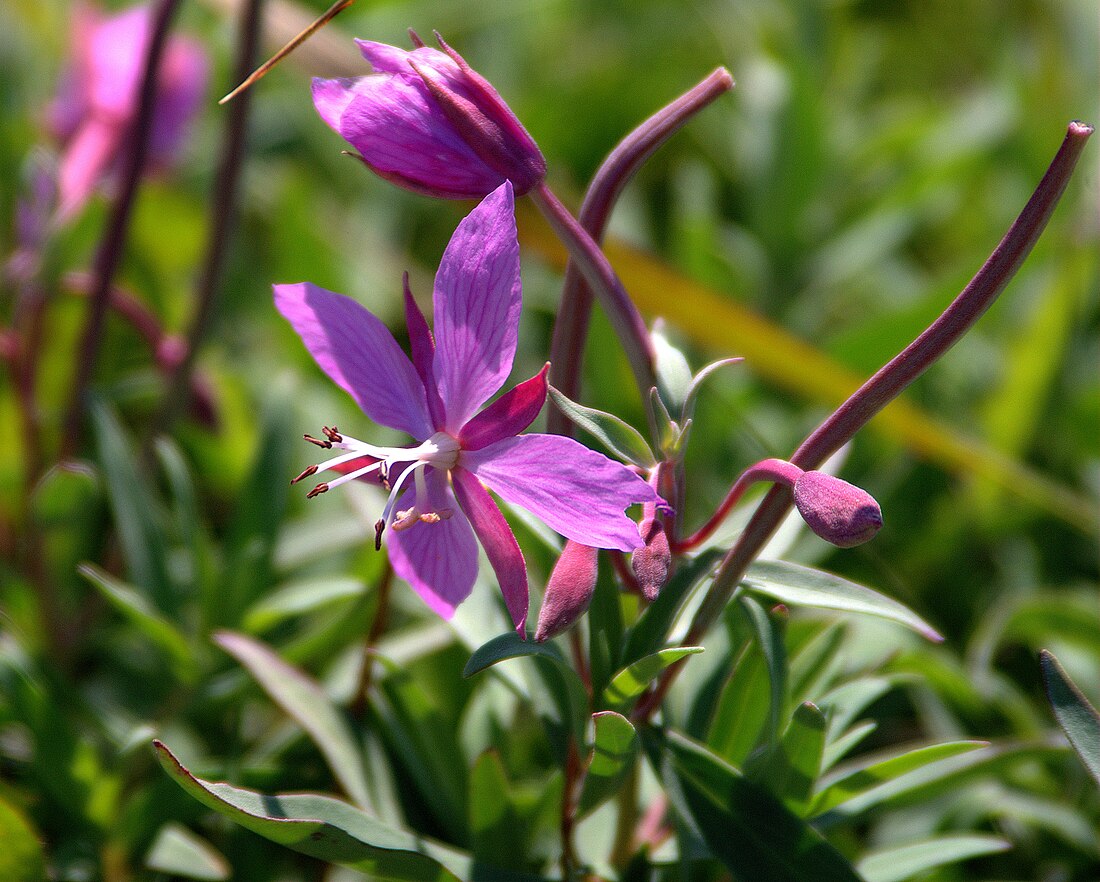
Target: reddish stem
(884,386)
(109,255)
(571,325)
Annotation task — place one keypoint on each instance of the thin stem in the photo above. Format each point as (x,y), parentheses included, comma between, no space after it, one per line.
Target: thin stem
(377,629)
(297,40)
(580,662)
(624,315)
(225,203)
(109,255)
(571,325)
(887,384)
(776,470)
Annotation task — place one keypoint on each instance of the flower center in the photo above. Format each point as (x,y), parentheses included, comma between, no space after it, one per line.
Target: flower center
(440,452)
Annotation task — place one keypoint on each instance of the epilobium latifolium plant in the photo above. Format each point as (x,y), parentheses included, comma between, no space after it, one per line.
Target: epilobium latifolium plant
(695,693)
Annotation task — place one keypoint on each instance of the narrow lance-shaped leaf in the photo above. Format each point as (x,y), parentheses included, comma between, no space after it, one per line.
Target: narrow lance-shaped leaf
(613,754)
(306,702)
(616,435)
(804,586)
(916,858)
(325,828)
(1078,719)
(632,680)
(745,827)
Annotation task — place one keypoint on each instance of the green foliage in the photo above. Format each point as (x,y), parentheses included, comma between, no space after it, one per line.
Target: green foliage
(813,221)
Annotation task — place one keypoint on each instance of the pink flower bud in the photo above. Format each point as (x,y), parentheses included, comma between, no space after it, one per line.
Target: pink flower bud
(569,590)
(837,511)
(428,122)
(651,562)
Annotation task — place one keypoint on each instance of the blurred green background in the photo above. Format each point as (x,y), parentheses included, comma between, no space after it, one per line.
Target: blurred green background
(867,162)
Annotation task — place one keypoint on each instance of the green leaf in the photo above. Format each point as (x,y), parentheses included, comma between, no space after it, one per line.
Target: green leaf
(179,852)
(613,755)
(137,514)
(804,586)
(306,702)
(792,771)
(298,598)
(632,680)
(261,502)
(506,646)
(617,436)
(325,828)
(859,788)
(494,824)
(742,824)
(1078,719)
(136,607)
(907,861)
(767,632)
(21,858)
(557,692)
(697,383)
(674,379)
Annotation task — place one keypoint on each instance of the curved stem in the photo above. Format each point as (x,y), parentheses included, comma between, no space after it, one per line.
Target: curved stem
(778,471)
(887,384)
(571,325)
(593,263)
(109,255)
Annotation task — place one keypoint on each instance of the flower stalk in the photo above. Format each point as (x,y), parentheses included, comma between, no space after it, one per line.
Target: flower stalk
(109,255)
(571,325)
(971,303)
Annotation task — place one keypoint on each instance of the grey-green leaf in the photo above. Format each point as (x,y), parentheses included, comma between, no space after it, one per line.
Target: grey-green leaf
(632,680)
(614,752)
(904,862)
(306,702)
(179,852)
(617,436)
(805,586)
(1078,719)
(325,828)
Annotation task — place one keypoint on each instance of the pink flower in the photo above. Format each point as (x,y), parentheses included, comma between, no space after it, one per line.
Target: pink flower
(96,101)
(438,499)
(427,121)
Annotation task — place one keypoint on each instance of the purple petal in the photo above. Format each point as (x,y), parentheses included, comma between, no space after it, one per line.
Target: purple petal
(359,354)
(401,133)
(498,541)
(476,307)
(86,160)
(578,492)
(185,72)
(509,415)
(422,347)
(438,560)
(385,58)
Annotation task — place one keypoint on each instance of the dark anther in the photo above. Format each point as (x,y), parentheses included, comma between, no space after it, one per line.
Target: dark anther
(312,470)
(384,474)
(318,490)
(379,526)
(326,444)
(334,436)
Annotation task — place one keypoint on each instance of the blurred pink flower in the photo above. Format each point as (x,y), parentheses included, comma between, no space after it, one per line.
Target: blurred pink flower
(98,95)
(427,121)
(438,499)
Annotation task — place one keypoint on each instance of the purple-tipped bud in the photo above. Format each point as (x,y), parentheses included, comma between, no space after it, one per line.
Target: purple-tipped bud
(651,562)
(569,590)
(428,122)
(837,511)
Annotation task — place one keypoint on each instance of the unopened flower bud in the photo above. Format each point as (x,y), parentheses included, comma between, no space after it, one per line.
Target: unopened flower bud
(568,591)
(651,562)
(837,511)
(427,121)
